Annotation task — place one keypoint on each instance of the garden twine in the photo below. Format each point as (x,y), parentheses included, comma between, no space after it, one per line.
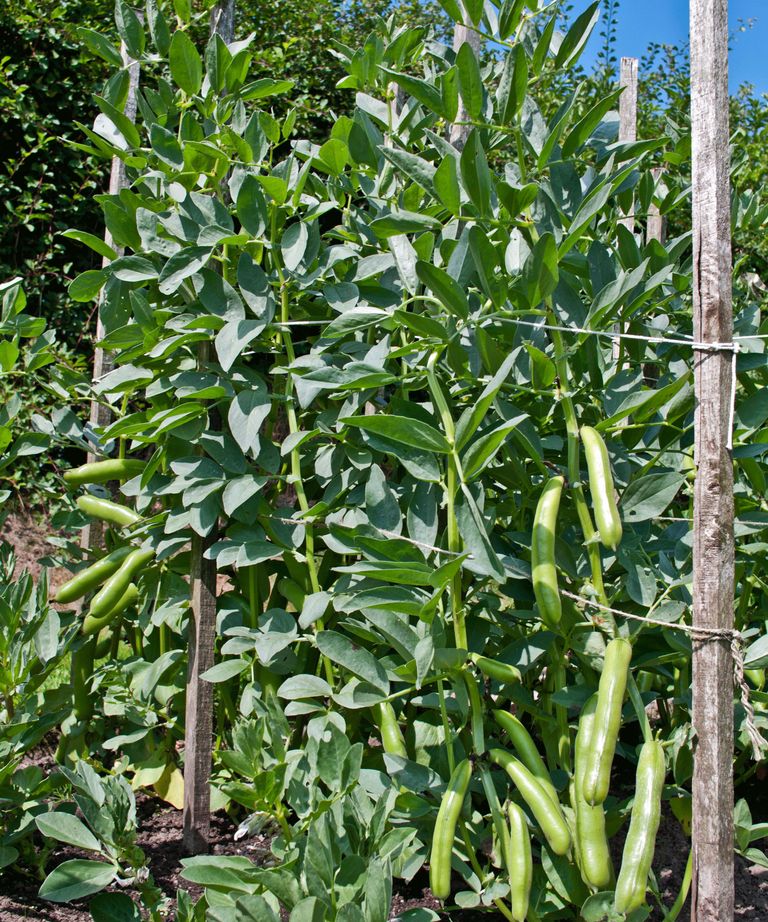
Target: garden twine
(735,640)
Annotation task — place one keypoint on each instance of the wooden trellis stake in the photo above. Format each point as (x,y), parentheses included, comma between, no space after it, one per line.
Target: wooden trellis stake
(92,534)
(463,32)
(198,721)
(628,117)
(713,546)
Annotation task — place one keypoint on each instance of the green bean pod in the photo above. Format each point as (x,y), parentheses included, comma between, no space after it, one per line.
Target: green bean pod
(544,569)
(445,830)
(92,625)
(605,733)
(526,749)
(548,815)
(391,736)
(113,590)
(104,471)
(643,825)
(591,841)
(107,511)
(519,863)
(494,669)
(88,579)
(606,511)
(81,670)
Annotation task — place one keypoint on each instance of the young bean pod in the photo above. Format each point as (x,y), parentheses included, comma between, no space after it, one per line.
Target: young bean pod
(519,863)
(544,569)
(601,487)
(643,826)
(107,598)
(591,841)
(526,749)
(107,511)
(605,732)
(494,669)
(445,830)
(548,815)
(92,625)
(88,579)
(104,471)
(391,736)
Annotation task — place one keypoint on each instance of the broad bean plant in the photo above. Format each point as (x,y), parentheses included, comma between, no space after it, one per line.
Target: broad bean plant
(394,386)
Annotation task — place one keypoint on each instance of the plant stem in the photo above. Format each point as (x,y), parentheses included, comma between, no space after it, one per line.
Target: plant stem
(682,896)
(447,732)
(637,701)
(293,427)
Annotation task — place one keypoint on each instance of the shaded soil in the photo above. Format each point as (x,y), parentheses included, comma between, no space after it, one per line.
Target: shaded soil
(28,538)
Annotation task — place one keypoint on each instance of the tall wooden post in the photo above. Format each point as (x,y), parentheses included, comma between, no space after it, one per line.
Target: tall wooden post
(198,722)
(463,32)
(627,133)
(713,547)
(92,534)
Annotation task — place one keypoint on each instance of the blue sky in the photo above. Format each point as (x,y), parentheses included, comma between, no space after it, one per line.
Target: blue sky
(644,21)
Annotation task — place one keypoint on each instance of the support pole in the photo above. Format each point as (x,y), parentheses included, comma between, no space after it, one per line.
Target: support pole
(627,134)
(713,546)
(198,722)
(463,32)
(92,534)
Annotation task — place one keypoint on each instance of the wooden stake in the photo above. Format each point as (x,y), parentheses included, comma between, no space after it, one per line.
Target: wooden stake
(627,133)
(463,32)
(198,723)
(657,224)
(713,547)
(93,533)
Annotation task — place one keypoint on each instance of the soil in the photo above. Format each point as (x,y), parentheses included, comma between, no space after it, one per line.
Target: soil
(29,539)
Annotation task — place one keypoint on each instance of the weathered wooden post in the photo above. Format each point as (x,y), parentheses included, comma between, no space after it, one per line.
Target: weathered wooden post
(463,32)
(628,117)
(713,546)
(198,721)
(92,534)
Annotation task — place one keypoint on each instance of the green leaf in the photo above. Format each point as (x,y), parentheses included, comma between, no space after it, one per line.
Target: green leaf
(424,92)
(510,14)
(648,496)
(481,452)
(181,266)
(121,121)
(475,174)
(470,81)
(472,417)
(357,660)
(475,10)
(67,828)
(294,244)
(582,130)
(101,46)
(247,413)
(403,222)
(402,429)
(186,64)
(265,86)
(453,9)
(75,879)
(541,273)
(446,289)
(513,86)
(223,672)
(165,145)
(334,155)
(130,29)
(577,37)
(114,907)
(415,168)
(447,185)
(304,686)
(158,27)
(92,241)
(87,285)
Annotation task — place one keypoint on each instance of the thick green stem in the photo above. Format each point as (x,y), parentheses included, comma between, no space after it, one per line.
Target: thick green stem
(574,467)
(637,702)
(447,730)
(293,428)
(676,908)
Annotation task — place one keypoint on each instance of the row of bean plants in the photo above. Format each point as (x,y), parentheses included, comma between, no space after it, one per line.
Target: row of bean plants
(357,375)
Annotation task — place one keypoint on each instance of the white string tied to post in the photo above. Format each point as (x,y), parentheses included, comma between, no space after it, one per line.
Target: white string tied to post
(733,637)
